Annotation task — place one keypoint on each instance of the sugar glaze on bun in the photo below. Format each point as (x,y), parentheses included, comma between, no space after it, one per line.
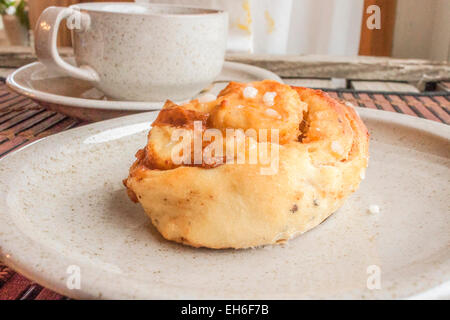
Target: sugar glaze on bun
(322,156)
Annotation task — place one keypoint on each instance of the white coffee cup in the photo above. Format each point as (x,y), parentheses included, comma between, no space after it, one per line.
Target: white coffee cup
(138,52)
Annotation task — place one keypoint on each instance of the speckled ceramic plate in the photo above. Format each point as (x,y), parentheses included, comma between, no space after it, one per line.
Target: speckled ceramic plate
(64,208)
(79,99)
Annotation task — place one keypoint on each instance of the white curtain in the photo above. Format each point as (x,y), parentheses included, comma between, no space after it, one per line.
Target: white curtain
(289,26)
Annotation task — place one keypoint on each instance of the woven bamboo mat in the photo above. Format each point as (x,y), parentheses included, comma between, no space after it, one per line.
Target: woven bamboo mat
(23,121)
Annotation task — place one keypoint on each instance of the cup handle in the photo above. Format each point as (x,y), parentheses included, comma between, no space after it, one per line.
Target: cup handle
(46,33)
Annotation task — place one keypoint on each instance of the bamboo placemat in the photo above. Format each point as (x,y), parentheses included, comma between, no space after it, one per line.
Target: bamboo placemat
(23,121)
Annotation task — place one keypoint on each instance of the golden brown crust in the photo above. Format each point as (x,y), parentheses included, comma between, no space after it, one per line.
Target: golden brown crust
(323,152)
(179,117)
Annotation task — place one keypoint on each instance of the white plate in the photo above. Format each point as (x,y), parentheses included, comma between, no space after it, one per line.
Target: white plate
(64,205)
(78,98)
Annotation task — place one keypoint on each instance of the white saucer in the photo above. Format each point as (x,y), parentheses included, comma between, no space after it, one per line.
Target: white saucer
(80,99)
(65,215)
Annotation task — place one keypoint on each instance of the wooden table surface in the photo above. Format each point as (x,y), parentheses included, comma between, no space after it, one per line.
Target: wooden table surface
(391,85)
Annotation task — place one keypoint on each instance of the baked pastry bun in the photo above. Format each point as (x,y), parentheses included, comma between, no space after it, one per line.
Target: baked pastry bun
(312,152)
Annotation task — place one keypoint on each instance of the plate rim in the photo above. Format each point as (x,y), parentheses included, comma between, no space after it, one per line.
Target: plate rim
(158,291)
(39,95)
